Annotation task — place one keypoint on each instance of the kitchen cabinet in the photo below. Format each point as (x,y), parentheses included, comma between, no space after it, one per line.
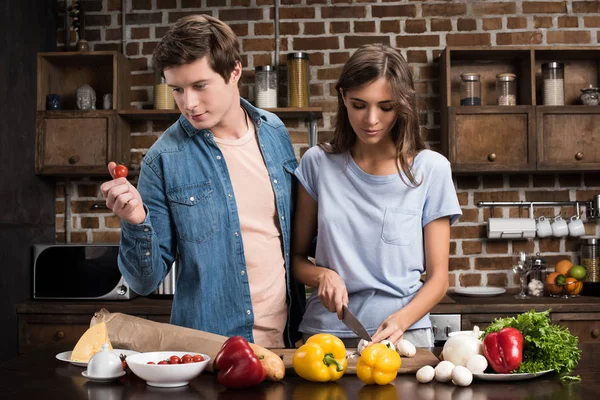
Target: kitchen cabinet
(528,137)
(81,142)
(584,325)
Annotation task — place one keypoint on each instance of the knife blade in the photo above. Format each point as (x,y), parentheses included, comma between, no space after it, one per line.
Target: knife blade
(354,324)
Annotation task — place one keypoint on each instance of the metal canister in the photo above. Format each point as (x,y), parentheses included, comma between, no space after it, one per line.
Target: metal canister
(297,64)
(590,259)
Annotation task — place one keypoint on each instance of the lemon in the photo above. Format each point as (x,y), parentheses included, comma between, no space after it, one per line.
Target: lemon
(561,279)
(578,272)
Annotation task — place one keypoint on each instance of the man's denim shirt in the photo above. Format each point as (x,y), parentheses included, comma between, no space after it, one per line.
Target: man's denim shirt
(191,211)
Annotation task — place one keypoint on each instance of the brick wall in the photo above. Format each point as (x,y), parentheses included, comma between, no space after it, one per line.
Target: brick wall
(330,30)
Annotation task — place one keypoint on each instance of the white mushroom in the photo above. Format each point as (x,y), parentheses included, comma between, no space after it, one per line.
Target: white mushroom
(461,376)
(477,364)
(388,344)
(406,348)
(443,371)
(363,344)
(425,374)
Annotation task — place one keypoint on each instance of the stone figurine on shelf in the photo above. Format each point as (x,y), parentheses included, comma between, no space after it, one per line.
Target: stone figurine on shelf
(86,98)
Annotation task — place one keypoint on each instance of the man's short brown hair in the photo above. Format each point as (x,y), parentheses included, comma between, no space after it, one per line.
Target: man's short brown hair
(194,37)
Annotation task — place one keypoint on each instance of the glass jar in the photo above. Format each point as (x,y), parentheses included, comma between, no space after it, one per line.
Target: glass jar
(506,89)
(553,76)
(265,83)
(590,259)
(537,276)
(297,64)
(470,89)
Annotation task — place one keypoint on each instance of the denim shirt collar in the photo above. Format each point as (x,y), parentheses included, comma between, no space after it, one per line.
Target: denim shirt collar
(256,115)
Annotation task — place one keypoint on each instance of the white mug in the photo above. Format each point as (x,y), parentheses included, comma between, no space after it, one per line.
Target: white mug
(544,229)
(560,227)
(576,227)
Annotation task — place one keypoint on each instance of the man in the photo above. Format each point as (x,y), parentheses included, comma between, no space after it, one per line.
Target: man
(215,190)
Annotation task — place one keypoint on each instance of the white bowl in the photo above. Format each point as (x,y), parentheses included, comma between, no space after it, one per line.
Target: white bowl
(165,375)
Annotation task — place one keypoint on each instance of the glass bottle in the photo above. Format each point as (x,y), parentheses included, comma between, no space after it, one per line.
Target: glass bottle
(470,89)
(590,259)
(297,64)
(538,274)
(553,76)
(265,83)
(506,89)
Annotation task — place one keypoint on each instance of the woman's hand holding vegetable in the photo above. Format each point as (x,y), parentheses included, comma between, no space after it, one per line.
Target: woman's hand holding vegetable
(122,197)
(391,329)
(332,291)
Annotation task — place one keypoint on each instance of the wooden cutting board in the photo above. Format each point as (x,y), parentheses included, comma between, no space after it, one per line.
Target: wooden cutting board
(409,365)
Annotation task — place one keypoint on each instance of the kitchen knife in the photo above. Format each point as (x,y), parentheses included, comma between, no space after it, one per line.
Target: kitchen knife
(353,323)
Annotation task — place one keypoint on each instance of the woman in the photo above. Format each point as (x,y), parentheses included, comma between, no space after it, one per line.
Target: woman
(383,205)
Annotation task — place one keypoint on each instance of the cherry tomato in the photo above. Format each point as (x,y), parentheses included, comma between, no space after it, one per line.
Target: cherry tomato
(197,358)
(120,171)
(163,362)
(174,360)
(151,362)
(186,358)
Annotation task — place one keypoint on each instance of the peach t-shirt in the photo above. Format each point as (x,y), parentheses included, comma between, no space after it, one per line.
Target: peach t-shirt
(260,235)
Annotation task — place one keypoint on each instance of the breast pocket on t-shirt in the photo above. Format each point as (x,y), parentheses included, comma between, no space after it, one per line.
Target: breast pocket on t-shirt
(194,212)
(400,225)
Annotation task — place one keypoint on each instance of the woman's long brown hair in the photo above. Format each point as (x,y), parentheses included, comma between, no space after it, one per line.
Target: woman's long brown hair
(369,63)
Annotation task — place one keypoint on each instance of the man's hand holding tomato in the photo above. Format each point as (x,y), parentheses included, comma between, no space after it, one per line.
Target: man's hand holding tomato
(122,197)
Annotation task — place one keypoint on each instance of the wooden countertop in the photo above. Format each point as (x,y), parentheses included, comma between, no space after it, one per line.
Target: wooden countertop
(39,375)
(451,304)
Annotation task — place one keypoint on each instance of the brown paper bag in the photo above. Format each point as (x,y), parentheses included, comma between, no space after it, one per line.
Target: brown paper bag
(139,334)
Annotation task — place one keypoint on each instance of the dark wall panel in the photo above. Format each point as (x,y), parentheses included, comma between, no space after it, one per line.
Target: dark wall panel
(27,202)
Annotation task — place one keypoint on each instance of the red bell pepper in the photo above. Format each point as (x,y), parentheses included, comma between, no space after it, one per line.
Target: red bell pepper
(504,350)
(238,366)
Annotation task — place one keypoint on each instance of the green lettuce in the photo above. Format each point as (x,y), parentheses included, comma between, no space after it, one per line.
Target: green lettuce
(545,345)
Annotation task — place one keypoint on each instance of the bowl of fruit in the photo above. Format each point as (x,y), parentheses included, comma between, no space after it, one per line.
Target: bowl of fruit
(566,281)
(167,368)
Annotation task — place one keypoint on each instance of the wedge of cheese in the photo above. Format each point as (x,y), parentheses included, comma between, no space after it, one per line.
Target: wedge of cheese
(90,343)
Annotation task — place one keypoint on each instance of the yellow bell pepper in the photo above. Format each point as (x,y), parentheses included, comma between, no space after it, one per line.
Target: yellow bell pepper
(378,364)
(321,359)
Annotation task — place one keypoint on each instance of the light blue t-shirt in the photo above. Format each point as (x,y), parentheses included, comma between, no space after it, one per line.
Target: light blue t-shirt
(370,231)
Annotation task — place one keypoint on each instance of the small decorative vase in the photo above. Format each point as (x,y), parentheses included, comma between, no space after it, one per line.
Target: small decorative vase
(53,102)
(82,45)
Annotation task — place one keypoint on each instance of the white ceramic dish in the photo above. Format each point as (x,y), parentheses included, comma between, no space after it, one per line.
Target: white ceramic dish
(510,377)
(96,379)
(167,375)
(66,356)
(480,291)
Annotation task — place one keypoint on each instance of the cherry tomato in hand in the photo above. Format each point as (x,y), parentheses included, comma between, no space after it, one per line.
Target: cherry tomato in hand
(120,171)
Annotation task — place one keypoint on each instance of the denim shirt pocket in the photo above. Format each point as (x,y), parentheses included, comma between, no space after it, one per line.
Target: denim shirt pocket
(399,226)
(194,211)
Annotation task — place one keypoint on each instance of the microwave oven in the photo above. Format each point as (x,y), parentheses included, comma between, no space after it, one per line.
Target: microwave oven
(78,272)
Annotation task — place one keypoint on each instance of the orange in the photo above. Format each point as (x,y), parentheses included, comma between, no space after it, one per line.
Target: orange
(563,266)
(551,287)
(573,286)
